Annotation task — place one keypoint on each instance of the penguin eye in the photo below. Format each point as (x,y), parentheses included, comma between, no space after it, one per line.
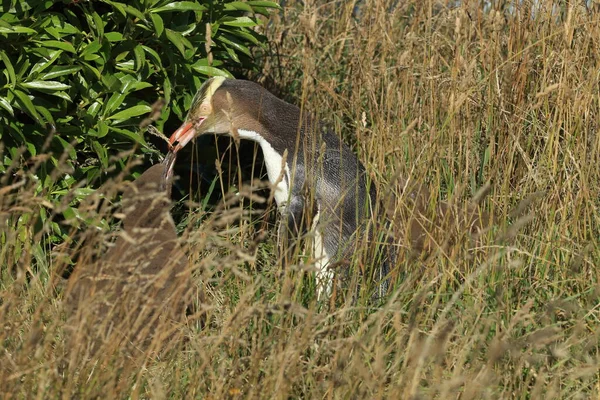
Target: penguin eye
(205,109)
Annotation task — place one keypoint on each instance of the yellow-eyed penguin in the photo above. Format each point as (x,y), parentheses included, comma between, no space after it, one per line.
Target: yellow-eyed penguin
(138,291)
(315,176)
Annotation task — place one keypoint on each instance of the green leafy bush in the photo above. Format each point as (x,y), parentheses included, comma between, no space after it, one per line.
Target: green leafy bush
(78,77)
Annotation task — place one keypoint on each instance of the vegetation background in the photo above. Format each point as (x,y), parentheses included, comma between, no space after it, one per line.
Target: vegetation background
(466,98)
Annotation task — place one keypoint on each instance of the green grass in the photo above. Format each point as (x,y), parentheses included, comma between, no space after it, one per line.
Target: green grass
(450,97)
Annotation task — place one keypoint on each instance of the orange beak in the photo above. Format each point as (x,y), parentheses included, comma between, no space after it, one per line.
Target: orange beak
(183,135)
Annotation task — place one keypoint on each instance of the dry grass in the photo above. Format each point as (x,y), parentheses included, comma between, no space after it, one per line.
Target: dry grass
(452,98)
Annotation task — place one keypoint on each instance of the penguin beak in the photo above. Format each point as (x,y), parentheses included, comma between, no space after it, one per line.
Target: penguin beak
(183,135)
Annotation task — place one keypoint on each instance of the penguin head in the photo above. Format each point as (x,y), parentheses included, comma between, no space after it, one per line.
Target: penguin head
(222,106)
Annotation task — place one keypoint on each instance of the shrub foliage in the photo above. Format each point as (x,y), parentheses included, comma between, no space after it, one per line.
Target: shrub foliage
(91,70)
(79,76)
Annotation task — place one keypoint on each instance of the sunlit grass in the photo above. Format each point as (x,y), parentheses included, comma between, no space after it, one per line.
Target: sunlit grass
(450,98)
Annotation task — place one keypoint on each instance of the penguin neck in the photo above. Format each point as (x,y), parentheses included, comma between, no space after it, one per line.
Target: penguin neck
(278,170)
(275,126)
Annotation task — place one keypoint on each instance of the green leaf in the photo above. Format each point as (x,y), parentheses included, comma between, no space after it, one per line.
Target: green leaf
(92,70)
(45,85)
(23,68)
(46,114)
(68,29)
(154,55)
(127,66)
(6,105)
(128,134)
(31,148)
(238,5)
(131,112)
(157,21)
(180,6)
(135,12)
(241,22)
(9,68)
(62,95)
(67,147)
(211,189)
(46,62)
(102,129)
(62,70)
(90,51)
(211,71)
(70,216)
(16,29)
(262,11)
(202,61)
(27,106)
(82,192)
(177,40)
(94,108)
(152,3)
(101,152)
(234,42)
(58,44)
(135,85)
(232,54)
(120,7)
(167,89)
(113,36)
(127,9)
(267,4)
(264,7)
(115,100)
(99,24)
(138,52)
(243,34)
(54,32)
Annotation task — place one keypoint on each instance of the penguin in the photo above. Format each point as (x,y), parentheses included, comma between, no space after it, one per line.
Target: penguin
(141,287)
(318,183)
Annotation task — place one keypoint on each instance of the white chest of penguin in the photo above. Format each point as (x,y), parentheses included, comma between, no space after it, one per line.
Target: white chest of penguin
(280,179)
(274,164)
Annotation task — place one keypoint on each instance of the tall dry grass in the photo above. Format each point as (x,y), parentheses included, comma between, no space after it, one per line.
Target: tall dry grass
(452,98)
